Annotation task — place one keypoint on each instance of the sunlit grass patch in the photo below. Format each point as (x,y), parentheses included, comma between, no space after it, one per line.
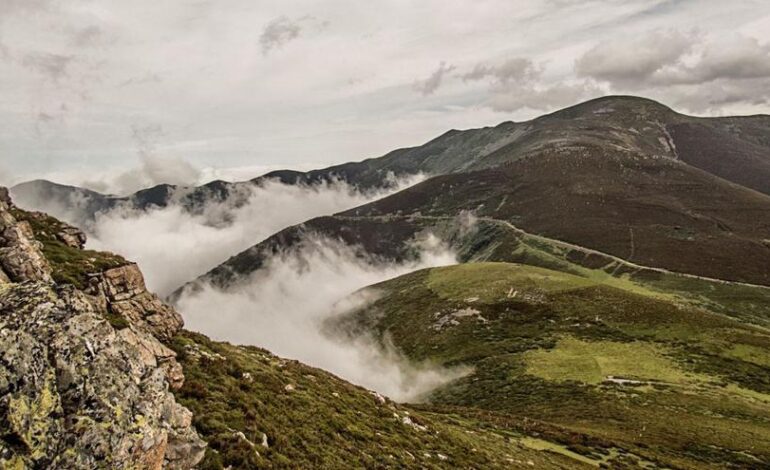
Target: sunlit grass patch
(488,282)
(593,362)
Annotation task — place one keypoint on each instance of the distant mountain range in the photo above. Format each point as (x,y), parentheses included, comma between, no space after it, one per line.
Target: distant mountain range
(732,148)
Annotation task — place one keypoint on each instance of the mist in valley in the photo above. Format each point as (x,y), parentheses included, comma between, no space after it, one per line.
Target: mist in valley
(173,245)
(284,306)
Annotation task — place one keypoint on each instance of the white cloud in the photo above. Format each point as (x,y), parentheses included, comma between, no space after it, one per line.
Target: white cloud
(173,246)
(635,59)
(284,308)
(516,83)
(51,66)
(516,69)
(698,72)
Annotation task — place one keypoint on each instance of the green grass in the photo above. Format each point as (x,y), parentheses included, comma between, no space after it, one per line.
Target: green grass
(490,282)
(497,242)
(325,422)
(592,362)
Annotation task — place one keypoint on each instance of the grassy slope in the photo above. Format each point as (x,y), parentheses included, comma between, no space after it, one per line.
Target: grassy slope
(544,345)
(312,419)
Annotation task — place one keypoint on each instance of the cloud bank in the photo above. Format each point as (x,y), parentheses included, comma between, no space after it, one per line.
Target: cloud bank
(284,306)
(173,245)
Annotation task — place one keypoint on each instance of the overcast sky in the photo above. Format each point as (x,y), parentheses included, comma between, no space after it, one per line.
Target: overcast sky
(182,90)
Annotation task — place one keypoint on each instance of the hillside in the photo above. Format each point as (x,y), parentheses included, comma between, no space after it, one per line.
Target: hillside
(631,367)
(392,238)
(612,308)
(648,210)
(82,205)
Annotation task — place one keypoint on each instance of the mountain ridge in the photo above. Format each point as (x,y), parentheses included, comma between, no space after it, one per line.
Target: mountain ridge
(646,205)
(437,156)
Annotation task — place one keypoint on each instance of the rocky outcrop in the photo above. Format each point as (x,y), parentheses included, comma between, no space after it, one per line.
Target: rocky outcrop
(77,388)
(76,393)
(21,256)
(126,295)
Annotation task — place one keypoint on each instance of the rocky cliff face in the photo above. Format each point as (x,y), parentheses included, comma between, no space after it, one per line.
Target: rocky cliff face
(84,377)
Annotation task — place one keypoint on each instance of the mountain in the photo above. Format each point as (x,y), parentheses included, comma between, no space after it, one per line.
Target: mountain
(735,149)
(612,309)
(621,175)
(84,204)
(567,367)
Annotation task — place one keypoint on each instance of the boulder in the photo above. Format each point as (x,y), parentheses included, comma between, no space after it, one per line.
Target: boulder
(125,295)
(21,256)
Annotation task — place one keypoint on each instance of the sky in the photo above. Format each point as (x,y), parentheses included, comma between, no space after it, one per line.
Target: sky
(117,95)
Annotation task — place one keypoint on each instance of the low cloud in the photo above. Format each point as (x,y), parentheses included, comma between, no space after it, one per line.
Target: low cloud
(51,66)
(690,70)
(433,82)
(173,245)
(153,169)
(516,83)
(151,172)
(278,32)
(284,307)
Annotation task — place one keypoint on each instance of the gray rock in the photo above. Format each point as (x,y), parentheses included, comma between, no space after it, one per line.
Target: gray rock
(74,391)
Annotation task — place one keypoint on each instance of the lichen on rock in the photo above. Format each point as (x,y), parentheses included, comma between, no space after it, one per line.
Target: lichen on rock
(75,390)
(21,256)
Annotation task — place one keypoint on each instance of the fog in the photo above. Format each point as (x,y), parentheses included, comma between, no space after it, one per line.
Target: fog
(284,306)
(174,246)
